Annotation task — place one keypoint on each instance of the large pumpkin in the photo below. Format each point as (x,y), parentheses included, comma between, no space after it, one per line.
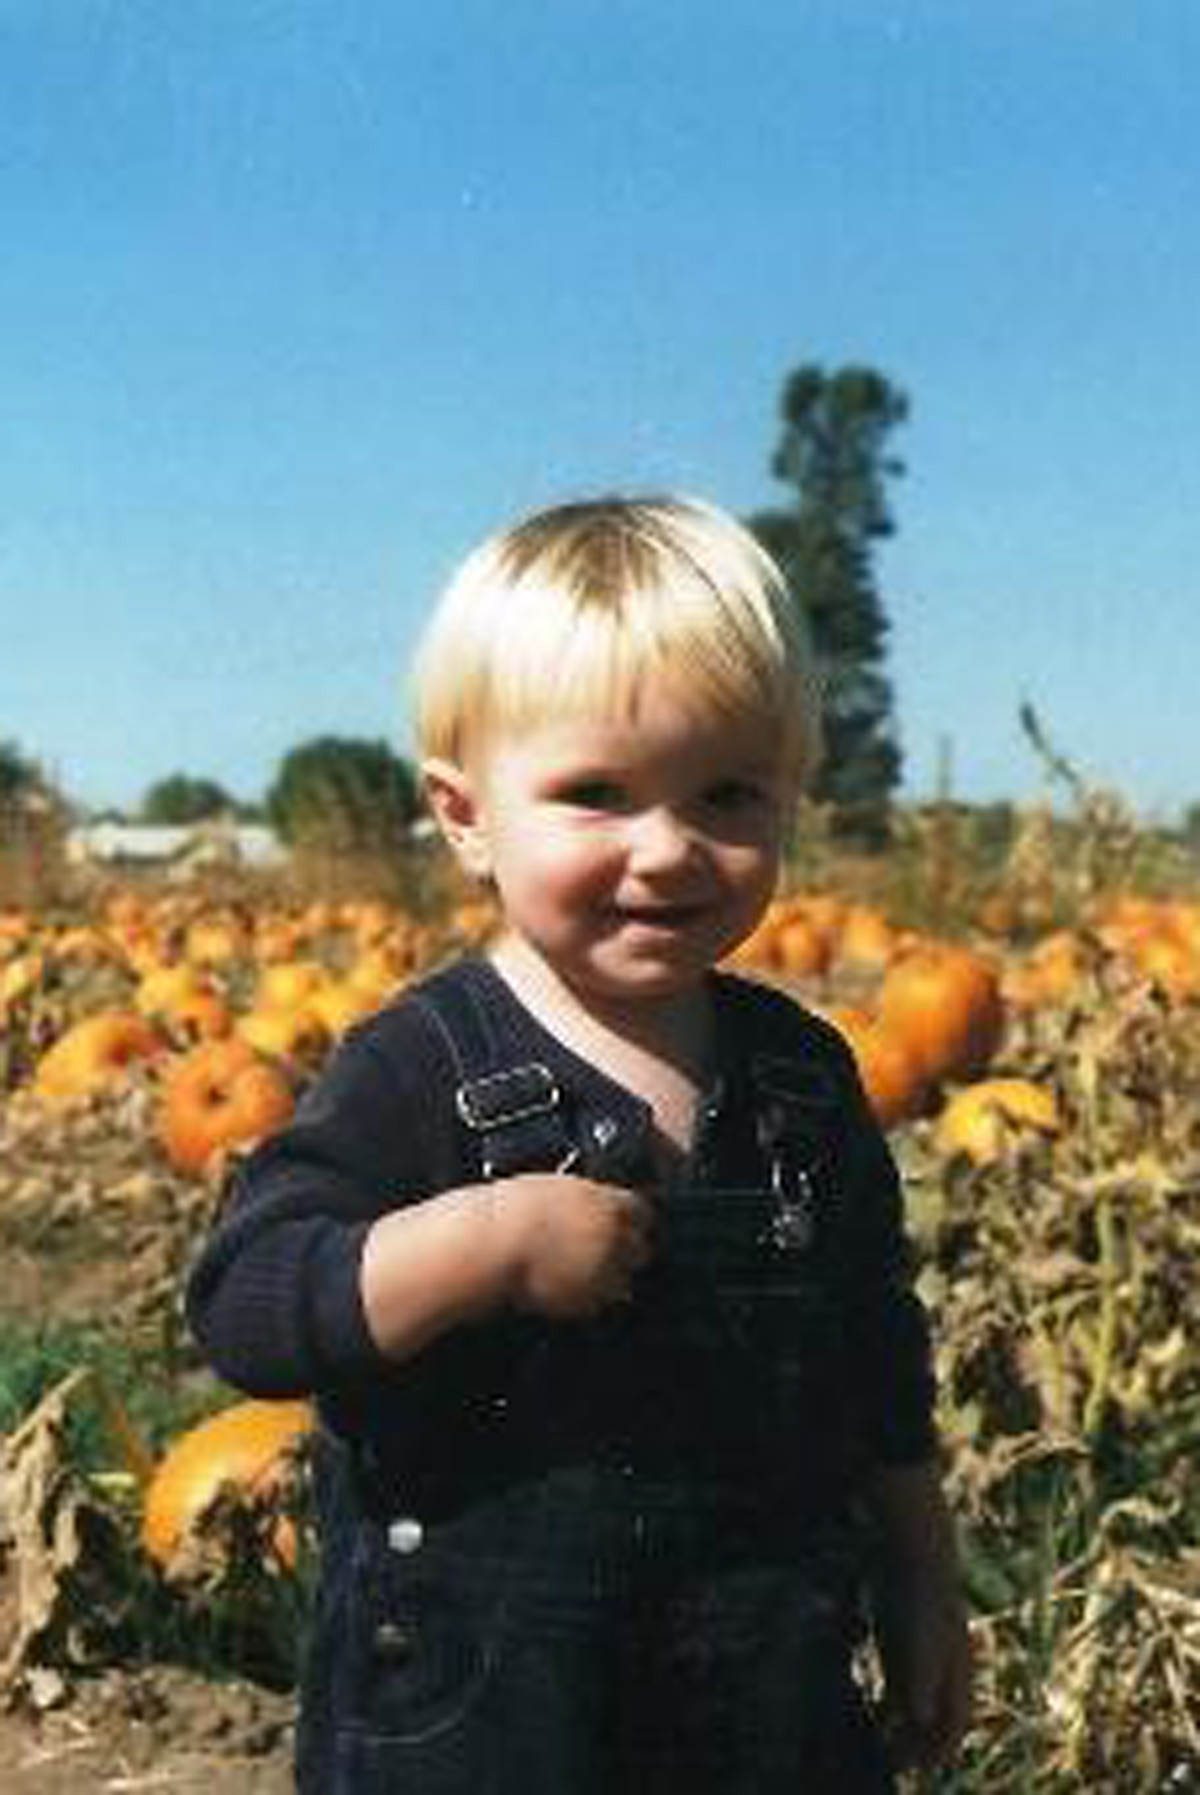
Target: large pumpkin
(895,1084)
(243,1447)
(945,1004)
(221,1094)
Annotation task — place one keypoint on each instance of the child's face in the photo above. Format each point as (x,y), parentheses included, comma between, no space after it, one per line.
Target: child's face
(629,855)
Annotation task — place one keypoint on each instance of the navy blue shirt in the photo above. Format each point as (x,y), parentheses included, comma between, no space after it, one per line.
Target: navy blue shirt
(275,1296)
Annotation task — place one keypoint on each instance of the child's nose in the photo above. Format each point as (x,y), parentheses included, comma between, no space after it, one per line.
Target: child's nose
(661,838)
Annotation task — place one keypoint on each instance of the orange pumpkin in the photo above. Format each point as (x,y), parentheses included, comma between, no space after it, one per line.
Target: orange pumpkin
(243,1446)
(95,1054)
(1049,974)
(1168,961)
(896,1086)
(221,1094)
(944,1003)
(982,1118)
(867,939)
(801,948)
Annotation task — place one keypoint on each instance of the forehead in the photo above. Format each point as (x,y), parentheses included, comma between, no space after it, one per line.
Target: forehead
(658,729)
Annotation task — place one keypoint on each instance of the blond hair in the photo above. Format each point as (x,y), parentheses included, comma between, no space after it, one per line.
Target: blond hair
(572,610)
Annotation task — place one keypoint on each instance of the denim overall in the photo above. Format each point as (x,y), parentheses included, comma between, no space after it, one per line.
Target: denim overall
(623,1566)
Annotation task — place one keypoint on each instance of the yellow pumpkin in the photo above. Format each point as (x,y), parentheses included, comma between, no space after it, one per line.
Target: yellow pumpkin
(95,1054)
(982,1118)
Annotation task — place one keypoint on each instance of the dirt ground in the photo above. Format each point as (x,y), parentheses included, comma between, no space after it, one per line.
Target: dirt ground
(160,1730)
(93,1224)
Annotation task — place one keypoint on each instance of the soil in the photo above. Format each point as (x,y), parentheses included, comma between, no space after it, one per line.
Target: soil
(93,1223)
(161,1730)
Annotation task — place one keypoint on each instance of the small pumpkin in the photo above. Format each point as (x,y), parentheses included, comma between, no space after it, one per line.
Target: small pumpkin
(184,999)
(244,1446)
(982,1118)
(221,1094)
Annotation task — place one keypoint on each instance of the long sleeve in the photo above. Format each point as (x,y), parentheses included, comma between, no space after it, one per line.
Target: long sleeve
(274,1298)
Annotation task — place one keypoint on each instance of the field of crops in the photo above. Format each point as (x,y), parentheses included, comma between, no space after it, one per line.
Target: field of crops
(1039,1081)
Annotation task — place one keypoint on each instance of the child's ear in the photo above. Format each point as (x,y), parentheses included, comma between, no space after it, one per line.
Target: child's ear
(452,799)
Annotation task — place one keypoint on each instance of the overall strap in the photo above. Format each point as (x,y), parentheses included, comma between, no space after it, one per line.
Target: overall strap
(514,1110)
(797,1115)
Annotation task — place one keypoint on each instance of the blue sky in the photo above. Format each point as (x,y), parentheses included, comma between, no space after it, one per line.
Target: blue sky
(297,299)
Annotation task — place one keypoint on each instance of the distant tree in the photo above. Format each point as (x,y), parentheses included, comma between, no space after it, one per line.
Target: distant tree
(832,453)
(20,777)
(340,795)
(182,799)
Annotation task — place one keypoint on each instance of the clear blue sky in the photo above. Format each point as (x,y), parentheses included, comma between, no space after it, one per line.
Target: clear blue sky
(299,297)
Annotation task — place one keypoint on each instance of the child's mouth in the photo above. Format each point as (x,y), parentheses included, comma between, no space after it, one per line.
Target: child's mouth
(661,916)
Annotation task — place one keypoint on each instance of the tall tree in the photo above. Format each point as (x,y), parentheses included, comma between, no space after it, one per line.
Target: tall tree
(833,454)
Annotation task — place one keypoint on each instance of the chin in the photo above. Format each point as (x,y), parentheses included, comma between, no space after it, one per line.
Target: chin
(639,983)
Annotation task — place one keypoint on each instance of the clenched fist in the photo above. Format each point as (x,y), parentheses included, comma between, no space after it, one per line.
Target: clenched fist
(575,1244)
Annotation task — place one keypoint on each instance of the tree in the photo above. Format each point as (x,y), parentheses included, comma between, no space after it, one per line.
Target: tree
(20,777)
(182,799)
(339,795)
(832,452)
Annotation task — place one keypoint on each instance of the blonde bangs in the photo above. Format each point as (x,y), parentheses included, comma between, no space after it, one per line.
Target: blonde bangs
(575,611)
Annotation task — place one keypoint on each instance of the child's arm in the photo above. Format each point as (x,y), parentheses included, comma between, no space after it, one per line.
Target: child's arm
(921,1617)
(336,1251)
(563,1246)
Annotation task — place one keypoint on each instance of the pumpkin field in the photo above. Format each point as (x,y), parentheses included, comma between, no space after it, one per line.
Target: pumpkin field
(1036,1062)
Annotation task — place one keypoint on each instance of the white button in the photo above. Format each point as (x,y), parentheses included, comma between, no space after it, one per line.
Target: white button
(406,1534)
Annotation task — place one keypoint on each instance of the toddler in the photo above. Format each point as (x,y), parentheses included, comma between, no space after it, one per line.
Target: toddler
(592,1254)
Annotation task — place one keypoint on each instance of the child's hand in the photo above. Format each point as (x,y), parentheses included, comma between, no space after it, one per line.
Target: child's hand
(576,1244)
(926,1652)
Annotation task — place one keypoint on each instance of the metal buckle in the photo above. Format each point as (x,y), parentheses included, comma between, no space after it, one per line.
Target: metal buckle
(482,1106)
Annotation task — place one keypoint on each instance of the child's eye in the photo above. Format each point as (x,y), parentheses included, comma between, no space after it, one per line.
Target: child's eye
(735,795)
(594,794)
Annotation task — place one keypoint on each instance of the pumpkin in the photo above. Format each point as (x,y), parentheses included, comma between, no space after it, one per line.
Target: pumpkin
(95,1054)
(284,1033)
(342,1002)
(825,910)
(221,1094)
(288,984)
(1049,974)
(892,1078)
(215,941)
(245,1447)
(866,939)
(801,948)
(19,976)
(183,998)
(1167,961)
(981,1118)
(944,1003)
